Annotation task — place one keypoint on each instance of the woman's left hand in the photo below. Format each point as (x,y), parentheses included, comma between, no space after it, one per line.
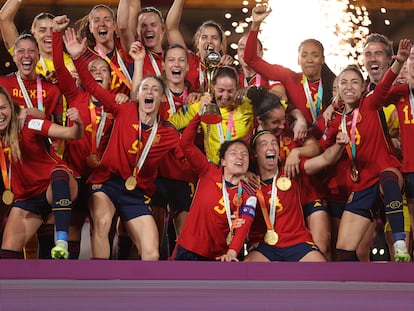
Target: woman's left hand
(231,255)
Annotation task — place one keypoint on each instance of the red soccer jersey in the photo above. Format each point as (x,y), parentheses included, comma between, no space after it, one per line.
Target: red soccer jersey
(175,165)
(178,100)
(30,177)
(206,226)
(406,121)
(193,75)
(76,151)
(289,221)
(292,81)
(308,184)
(252,81)
(149,65)
(52,99)
(336,178)
(373,153)
(117,85)
(120,156)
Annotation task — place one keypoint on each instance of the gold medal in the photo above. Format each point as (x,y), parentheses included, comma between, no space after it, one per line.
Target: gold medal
(237,201)
(8,197)
(283,183)
(131,183)
(354,174)
(92,160)
(229,237)
(271,237)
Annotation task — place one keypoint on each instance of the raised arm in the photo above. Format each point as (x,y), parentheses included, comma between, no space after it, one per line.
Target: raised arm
(66,83)
(329,157)
(74,48)
(404,48)
(8,28)
(63,132)
(127,19)
(382,89)
(137,52)
(172,23)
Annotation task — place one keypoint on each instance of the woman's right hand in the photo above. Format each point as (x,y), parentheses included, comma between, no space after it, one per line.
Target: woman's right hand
(205,100)
(260,12)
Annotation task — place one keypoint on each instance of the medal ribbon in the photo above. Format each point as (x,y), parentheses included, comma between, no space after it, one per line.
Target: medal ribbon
(142,156)
(171,101)
(115,68)
(96,132)
(43,63)
(39,92)
(269,217)
(245,82)
(123,66)
(154,64)
(314,108)
(351,147)
(4,172)
(232,224)
(258,80)
(201,75)
(411,97)
(230,126)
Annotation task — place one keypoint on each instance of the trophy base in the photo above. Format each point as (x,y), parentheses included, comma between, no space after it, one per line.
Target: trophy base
(211,118)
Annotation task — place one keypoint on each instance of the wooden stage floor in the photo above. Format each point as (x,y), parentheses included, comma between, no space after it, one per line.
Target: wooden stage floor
(162,285)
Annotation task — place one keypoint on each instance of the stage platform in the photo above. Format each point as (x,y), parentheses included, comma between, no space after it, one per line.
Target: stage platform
(165,285)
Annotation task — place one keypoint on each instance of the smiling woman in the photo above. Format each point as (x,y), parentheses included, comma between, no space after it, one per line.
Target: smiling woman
(221,211)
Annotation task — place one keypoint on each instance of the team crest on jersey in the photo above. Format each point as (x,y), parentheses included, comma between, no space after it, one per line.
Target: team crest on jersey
(286,140)
(157,139)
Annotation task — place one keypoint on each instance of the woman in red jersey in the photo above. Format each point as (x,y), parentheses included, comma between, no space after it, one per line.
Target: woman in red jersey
(99,27)
(36,182)
(125,177)
(370,178)
(278,232)
(310,91)
(221,212)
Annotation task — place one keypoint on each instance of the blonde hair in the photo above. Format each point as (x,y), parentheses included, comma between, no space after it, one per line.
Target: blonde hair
(11,135)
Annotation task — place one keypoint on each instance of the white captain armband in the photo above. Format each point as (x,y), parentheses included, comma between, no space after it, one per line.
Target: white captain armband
(248,209)
(35,124)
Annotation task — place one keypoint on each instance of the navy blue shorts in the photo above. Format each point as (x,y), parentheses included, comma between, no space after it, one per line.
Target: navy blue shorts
(37,205)
(336,209)
(366,202)
(409,185)
(312,207)
(177,194)
(81,202)
(129,204)
(183,254)
(290,253)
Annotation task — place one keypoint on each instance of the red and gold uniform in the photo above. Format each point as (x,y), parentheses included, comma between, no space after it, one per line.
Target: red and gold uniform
(206,227)
(117,83)
(52,99)
(30,177)
(77,151)
(148,67)
(120,156)
(406,122)
(289,221)
(292,81)
(336,178)
(369,138)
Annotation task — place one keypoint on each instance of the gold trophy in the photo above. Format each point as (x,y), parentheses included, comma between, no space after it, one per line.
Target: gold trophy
(211,112)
